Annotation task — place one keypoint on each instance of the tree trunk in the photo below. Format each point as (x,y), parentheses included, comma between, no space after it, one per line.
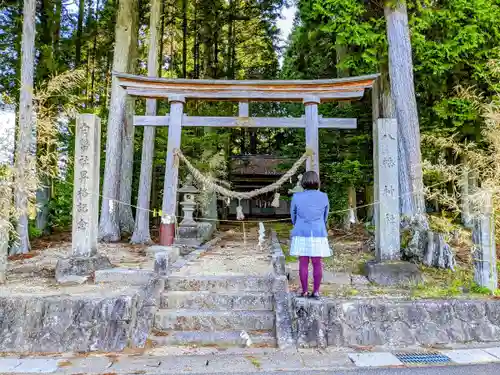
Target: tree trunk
(94,54)
(196,47)
(351,216)
(51,43)
(464,195)
(56,36)
(388,106)
(161,38)
(79,32)
(45,68)
(184,38)
(215,71)
(5,206)
(211,207)
(42,203)
(126,37)
(472,186)
(106,98)
(126,217)
(141,231)
(7,140)
(24,163)
(369,202)
(411,185)
(230,41)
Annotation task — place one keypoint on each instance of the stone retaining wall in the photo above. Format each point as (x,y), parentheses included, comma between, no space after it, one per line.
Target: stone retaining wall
(391,322)
(60,323)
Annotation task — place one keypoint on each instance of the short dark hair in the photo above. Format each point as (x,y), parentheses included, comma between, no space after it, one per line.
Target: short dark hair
(310,180)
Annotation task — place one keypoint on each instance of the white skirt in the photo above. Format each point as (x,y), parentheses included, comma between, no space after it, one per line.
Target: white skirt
(310,247)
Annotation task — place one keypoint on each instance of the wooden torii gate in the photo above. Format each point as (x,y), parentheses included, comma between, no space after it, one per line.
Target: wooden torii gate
(310,92)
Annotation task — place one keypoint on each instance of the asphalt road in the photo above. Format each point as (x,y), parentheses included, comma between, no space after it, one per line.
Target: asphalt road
(493,369)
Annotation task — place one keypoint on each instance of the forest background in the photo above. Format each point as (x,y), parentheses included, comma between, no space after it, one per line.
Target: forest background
(455,44)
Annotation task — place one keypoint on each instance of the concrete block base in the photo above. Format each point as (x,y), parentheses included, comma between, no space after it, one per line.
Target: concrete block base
(69,268)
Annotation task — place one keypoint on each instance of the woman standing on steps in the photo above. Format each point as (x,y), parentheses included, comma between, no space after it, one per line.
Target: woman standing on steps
(309,211)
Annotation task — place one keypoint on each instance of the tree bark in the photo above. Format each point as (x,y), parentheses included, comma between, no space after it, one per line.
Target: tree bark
(94,54)
(47,65)
(464,194)
(184,38)
(196,47)
(56,36)
(5,206)
(126,218)
(6,139)
(126,36)
(387,102)
(411,185)
(369,202)
(24,163)
(79,32)
(162,36)
(141,231)
(351,216)
(230,41)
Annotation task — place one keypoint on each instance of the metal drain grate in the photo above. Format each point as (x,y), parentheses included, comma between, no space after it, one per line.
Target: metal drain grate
(422,358)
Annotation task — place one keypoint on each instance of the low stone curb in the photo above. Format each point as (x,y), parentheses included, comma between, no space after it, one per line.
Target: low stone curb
(377,322)
(282,300)
(208,360)
(278,257)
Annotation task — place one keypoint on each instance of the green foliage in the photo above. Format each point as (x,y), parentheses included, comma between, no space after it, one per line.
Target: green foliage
(61,204)
(33,231)
(442,224)
(337,178)
(453,44)
(444,283)
(477,289)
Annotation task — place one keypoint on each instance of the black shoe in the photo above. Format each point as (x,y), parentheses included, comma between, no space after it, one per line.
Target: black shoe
(304,295)
(315,295)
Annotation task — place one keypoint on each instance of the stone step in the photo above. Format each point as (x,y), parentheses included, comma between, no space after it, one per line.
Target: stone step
(220,339)
(216,301)
(219,283)
(212,320)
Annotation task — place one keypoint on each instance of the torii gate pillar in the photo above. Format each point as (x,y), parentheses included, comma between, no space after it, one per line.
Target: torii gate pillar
(312,126)
(167,226)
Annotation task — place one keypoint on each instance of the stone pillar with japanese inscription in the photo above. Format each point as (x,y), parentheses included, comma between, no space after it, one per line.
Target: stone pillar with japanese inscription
(86,185)
(387,218)
(484,251)
(84,260)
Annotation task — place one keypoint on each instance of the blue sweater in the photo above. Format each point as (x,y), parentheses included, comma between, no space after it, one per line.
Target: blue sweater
(309,211)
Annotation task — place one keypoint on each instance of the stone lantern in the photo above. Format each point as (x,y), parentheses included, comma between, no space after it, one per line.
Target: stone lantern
(188,227)
(188,203)
(298,188)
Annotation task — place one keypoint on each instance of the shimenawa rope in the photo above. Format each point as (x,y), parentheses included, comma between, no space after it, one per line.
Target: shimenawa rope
(210,183)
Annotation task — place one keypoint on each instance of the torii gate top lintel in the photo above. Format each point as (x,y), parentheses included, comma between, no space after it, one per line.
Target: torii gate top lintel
(326,90)
(309,92)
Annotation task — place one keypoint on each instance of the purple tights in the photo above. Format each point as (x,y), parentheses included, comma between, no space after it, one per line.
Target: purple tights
(304,272)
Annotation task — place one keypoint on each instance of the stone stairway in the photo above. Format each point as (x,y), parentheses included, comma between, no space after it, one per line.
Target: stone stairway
(216,311)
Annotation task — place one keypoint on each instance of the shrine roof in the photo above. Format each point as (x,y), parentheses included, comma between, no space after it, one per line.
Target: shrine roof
(326,90)
(257,165)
